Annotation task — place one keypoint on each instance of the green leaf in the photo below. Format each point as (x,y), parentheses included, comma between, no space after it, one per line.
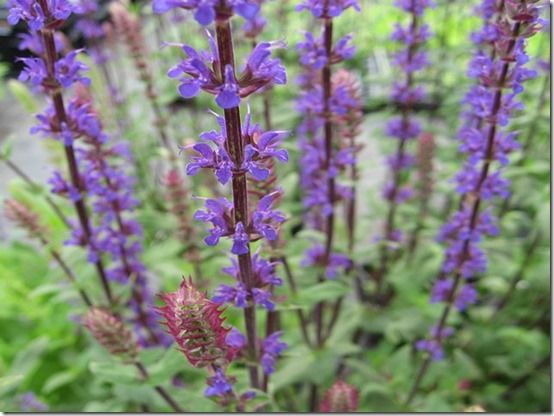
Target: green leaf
(115,372)
(327,290)
(6,148)
(23,95)
(59,380)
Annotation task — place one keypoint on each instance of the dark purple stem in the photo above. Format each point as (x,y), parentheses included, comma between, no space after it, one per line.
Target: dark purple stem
(57,99)
(235,146)
(475,207)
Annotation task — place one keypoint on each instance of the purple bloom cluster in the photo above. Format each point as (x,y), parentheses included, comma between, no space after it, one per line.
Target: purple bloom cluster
(499,70)
(35,16)
(326,9)
(254,25)
(272,347)
(29,402)
(433,346)
(263,222)
(67,70)
(320,171)
(218,385)
(261,146)
(206,11)
(264,279)
(92,30)
(198,72)
(315,256)
(404,128)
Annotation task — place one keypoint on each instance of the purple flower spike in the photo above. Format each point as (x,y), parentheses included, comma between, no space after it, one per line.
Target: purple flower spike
(334,7)
(241,156)
(235,339)
(218,385)
(498,68)
(272,347)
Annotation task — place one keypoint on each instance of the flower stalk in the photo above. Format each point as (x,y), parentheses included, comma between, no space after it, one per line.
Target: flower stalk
(486,146)
(55,91)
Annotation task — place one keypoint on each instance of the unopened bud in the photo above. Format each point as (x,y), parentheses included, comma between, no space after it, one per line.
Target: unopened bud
(196,324)
(111,333)
(425,154)
(341,397)
(350,85)
(24,217)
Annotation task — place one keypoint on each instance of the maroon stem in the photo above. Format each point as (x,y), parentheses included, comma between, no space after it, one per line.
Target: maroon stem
(489,157)
(57,99)
(328,135)
(234,144)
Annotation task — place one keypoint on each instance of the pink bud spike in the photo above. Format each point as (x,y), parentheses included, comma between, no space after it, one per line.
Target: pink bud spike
(196,324)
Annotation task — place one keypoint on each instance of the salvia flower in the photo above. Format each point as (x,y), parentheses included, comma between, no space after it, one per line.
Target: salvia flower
(325,104)
(263,224)
(205,11)
(265,278)
(331,8)
(111,333)
(341,397)
(315,256)
(499,71)
(29,402)
(196,324)
(218,385)
(272,347)
(404,128)
(110,191)
(238,156)
(196,73)
(36,17)
(67,71)
(261,147)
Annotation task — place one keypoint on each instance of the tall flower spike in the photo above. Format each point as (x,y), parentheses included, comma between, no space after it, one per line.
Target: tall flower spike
(499,69)
(196,324)
(52,74)
(405,127)
(111,333)
(341,397)
(326,103)
(234,150)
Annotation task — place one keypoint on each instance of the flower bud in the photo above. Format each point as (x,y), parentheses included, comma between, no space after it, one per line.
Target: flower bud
(111,333)
(345,82)
(196,324)
(425,154)
(341,397)
(24,217)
